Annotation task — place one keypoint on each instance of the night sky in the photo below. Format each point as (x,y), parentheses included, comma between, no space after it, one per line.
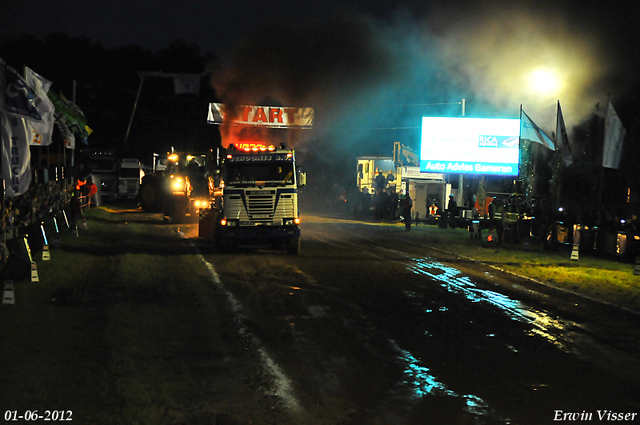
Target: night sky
(366,59)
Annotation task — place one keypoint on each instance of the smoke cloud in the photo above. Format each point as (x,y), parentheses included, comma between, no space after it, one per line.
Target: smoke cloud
(370,80)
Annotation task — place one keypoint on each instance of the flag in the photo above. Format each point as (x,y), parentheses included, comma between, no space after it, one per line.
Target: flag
(187,83)
(405,156)
(614,133)
(16,155)
(17,97)
(69,114)
(562,140)
(531,132)
(40,133)
(16,106)
(67,135)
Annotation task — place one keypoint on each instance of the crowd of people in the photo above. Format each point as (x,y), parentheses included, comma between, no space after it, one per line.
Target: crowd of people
(43,199)
(509,219)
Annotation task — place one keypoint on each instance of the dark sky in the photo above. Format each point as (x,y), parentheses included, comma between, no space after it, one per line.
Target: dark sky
(213,25)
(382,53)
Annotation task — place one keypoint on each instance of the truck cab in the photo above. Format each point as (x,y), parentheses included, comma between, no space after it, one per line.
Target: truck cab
(258,196)
(129,176)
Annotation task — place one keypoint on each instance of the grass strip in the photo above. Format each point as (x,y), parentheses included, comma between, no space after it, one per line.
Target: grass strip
(121,328)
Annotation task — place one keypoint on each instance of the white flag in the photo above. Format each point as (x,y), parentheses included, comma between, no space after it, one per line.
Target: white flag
(16,155)
(614,133)
(531,132)
(67,135)
(40,131)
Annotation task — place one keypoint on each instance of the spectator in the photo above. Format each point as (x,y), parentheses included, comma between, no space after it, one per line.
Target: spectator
(496,213)
(393,205)
(453,211)
(407,204)
(381,181)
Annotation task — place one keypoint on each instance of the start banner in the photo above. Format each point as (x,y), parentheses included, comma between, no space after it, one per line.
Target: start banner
(266,116)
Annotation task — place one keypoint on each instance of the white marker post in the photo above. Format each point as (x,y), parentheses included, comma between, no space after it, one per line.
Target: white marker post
(8,297)
(575,253)
(46,255)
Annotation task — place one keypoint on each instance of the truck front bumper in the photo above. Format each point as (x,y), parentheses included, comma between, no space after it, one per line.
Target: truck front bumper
(260,232)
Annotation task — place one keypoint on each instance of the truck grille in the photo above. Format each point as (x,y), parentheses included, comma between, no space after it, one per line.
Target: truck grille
(260,205)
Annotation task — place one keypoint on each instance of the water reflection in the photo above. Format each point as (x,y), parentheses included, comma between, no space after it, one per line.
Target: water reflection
(454,281)
(423,383)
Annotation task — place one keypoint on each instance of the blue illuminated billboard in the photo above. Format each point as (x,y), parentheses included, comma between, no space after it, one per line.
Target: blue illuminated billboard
(470,145)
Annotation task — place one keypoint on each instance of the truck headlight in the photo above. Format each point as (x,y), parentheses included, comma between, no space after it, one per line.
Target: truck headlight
(291,221)
(201,203)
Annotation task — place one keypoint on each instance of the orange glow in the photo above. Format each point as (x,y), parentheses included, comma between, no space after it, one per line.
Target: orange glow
(223,222)
(248,146)
(296,220)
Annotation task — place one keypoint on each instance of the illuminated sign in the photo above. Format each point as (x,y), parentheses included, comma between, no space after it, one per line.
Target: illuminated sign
(267,116)
(260,158)
(247,146)
(470,145)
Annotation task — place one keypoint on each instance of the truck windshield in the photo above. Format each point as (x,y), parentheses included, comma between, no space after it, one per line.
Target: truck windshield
(259,174)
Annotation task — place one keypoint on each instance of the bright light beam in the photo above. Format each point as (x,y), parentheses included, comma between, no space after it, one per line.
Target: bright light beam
(545,81)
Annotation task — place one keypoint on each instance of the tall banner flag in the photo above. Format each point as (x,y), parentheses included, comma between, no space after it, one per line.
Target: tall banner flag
(16,107)
(562,140)
(16,155)
(17,97)
(188,83)
(265,116)
(531,132)
(614,133)
(40,133)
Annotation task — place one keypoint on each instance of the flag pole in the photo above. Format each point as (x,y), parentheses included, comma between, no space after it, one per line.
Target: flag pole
(135,106)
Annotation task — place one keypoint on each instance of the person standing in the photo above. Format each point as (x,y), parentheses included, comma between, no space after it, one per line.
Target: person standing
(496,212)
(393,204)
(453,210)
(407,204)
(381,181)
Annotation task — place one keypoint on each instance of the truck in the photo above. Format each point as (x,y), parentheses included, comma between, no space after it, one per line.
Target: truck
(104,172)
(180,186)
(129,175)
(255,197)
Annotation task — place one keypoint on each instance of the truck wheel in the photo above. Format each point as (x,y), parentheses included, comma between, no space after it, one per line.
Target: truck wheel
(293,245)
(150,196)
